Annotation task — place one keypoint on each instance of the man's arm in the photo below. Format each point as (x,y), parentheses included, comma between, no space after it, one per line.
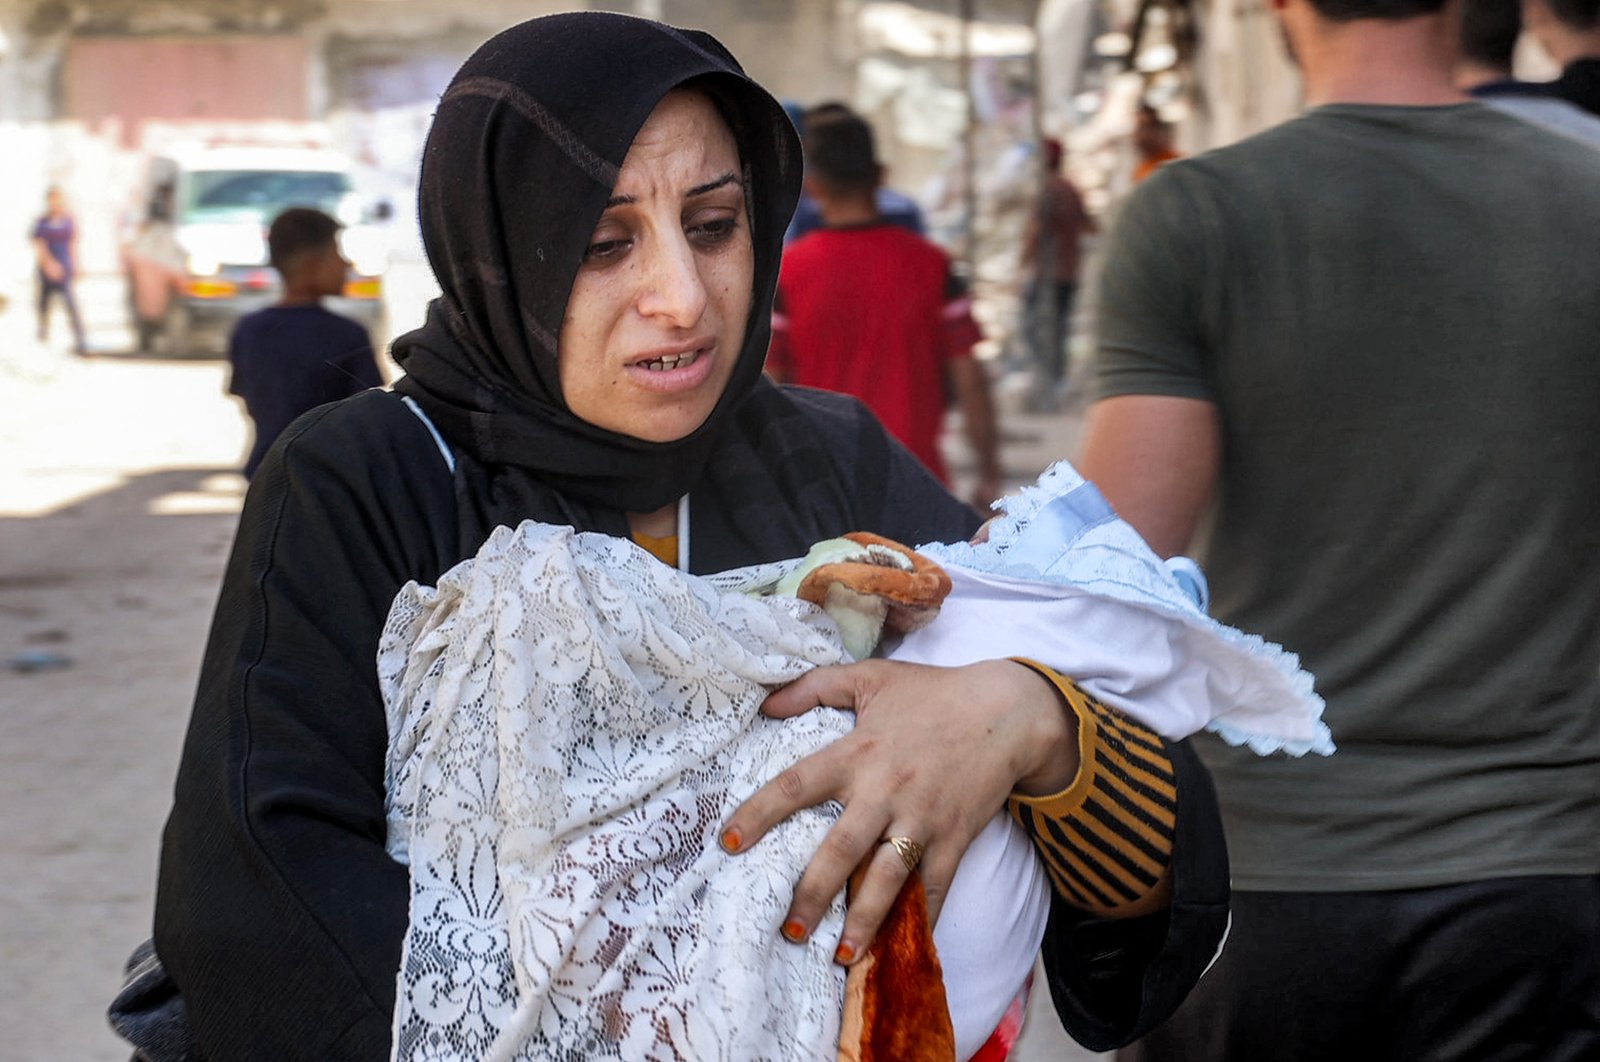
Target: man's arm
(1087,225)
(971,386)
(46,261)
(1153,441)
(969,382)
(1156,459)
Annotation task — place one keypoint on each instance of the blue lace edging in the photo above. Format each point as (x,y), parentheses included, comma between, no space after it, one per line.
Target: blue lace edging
(1149,583)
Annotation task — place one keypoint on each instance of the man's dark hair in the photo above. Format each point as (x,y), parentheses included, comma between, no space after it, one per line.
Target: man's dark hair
(1489,32)
(1582,15)
(1351,10)
(297,231)
(839,149)
(827,111)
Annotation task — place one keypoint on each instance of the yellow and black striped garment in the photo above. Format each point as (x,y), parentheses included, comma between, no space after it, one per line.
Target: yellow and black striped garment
(1107,838)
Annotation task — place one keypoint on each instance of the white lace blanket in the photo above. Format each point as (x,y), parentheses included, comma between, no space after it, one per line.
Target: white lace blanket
(571,722)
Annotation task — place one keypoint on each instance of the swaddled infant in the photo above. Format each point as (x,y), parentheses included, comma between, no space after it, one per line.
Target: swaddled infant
(571,721)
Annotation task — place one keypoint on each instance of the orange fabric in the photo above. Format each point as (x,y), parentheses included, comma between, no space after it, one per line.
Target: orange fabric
(894,1002)
(1149,165)
(664,549)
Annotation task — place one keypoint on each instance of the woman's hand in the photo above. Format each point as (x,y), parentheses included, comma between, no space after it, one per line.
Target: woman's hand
(934,754)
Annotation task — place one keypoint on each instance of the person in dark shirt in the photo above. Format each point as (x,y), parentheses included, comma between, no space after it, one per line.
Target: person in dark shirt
(297,355)
(54,238)
(1490,30)
(1569,30)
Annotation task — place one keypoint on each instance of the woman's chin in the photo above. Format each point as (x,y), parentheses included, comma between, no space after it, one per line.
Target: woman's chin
(658,410)
(663,423)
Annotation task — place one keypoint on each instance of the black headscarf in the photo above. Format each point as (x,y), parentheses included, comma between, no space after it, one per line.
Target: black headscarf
(523,154)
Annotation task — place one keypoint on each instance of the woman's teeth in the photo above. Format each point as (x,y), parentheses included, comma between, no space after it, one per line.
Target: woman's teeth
(671,361)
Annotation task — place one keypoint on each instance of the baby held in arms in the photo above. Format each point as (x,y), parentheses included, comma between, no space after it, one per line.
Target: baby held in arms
(571,721)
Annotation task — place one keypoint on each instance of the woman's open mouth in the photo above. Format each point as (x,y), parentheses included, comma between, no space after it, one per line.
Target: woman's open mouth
(674,371)
(671,361)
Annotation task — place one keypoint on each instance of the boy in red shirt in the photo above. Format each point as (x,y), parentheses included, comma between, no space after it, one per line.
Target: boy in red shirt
(869,309)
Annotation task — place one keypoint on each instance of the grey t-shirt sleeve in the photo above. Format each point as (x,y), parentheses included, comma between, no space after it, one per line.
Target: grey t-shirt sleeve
(1151,326)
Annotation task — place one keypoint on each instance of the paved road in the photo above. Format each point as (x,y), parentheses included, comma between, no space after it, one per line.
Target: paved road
(117,506)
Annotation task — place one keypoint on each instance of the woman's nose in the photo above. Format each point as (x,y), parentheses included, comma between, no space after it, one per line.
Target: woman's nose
(672,288)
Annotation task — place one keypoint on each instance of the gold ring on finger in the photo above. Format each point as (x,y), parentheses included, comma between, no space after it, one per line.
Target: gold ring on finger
(909,851)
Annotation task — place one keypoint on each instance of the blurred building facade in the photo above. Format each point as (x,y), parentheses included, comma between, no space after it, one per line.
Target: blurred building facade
(89,88)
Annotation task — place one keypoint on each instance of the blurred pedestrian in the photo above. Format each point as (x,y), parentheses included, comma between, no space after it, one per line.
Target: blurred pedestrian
(296,355)
(55,239)
(1152,139)
(1363,344)
(1570,31)
(1052,255)
(894,207)
(872,310)
(1489,33)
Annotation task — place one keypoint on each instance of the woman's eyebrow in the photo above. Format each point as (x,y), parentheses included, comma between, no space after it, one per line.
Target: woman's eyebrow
(699,189)
(711,186)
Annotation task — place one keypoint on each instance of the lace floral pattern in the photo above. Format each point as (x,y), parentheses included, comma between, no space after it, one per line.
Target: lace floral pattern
(570,723)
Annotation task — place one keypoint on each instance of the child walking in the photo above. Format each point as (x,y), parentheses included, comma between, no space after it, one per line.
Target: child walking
(296,355)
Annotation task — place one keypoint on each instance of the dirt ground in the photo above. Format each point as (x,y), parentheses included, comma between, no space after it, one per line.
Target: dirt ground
(117,506)
(118,501)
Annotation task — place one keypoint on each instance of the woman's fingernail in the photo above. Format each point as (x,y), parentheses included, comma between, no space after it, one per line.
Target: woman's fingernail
(845,953)
(730,840)
(794,931)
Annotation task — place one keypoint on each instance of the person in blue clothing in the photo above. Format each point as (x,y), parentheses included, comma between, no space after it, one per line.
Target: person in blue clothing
(297,354)
(54,237)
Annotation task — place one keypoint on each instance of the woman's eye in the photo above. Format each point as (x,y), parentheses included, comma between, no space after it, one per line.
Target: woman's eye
(604,250)
(713,232)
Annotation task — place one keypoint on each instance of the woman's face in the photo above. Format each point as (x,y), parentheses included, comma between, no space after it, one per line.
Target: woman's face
(658,311)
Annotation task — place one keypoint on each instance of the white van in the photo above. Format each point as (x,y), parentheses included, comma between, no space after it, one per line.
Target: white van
(197,260)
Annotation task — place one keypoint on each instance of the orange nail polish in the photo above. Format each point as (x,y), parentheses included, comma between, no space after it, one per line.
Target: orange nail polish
(730,840)
(845,954)
(794,930)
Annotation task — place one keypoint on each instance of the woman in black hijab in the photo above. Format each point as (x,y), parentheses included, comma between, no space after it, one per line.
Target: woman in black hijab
(603,201)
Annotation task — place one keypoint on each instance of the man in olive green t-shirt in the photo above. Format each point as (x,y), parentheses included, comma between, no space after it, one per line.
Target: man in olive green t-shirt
(1367,342)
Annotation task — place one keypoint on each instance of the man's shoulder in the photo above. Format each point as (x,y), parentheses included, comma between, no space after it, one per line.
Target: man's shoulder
(1550,113)
(884,239)
(264,316)
(337,320)
(906,245)
(1274,149)
(254,322)
(1343,146)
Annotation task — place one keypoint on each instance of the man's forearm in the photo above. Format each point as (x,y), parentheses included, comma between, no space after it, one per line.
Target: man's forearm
(977,415)
(1156,459)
